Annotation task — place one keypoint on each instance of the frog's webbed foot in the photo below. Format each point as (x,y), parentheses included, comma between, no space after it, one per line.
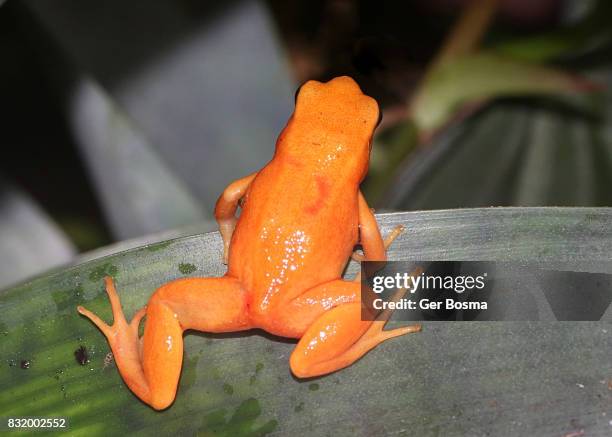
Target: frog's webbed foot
(123,340)
(151,367)
(119,321)
(114,330)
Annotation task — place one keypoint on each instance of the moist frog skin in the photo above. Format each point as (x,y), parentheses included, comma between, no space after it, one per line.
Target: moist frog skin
(302,214)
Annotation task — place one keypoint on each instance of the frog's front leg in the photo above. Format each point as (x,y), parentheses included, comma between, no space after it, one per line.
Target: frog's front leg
(204,304)
(374,247)
(369,234)
(225,209)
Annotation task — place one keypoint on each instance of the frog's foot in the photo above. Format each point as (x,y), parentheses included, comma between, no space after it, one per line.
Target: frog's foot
(338,338)
(376,332)
(151,368)
(123,340)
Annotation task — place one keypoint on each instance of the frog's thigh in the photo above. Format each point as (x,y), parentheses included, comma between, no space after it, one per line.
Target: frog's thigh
(323,347)
(205,304)
(296,316)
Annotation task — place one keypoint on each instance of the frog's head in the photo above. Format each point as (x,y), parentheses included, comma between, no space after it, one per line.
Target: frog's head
(333,123)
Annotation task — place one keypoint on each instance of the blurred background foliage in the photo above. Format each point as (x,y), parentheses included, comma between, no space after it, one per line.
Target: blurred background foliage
(123,121)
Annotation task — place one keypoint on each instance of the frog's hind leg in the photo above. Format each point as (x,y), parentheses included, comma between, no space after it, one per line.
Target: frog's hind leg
(152,370)
(339,337)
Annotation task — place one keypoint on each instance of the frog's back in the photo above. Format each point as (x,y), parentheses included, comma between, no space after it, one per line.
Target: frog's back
(293,234)
(299,221)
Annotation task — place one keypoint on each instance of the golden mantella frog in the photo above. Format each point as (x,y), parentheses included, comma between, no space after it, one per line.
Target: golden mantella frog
(302,215)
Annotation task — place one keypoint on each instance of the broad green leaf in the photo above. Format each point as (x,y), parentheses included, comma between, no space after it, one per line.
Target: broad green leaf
(483,76)
(593,31)
(515,153)
(452,379)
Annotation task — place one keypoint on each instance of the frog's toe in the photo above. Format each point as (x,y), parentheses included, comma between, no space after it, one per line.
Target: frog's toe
(127,348)
(119,325)
(95,319)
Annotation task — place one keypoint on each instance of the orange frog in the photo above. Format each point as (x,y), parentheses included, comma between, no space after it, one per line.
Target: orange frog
(302,215)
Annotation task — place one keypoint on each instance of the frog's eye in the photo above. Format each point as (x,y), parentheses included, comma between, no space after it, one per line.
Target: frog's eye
(380,116)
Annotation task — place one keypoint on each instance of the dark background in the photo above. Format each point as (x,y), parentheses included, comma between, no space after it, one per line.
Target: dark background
(203,88)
